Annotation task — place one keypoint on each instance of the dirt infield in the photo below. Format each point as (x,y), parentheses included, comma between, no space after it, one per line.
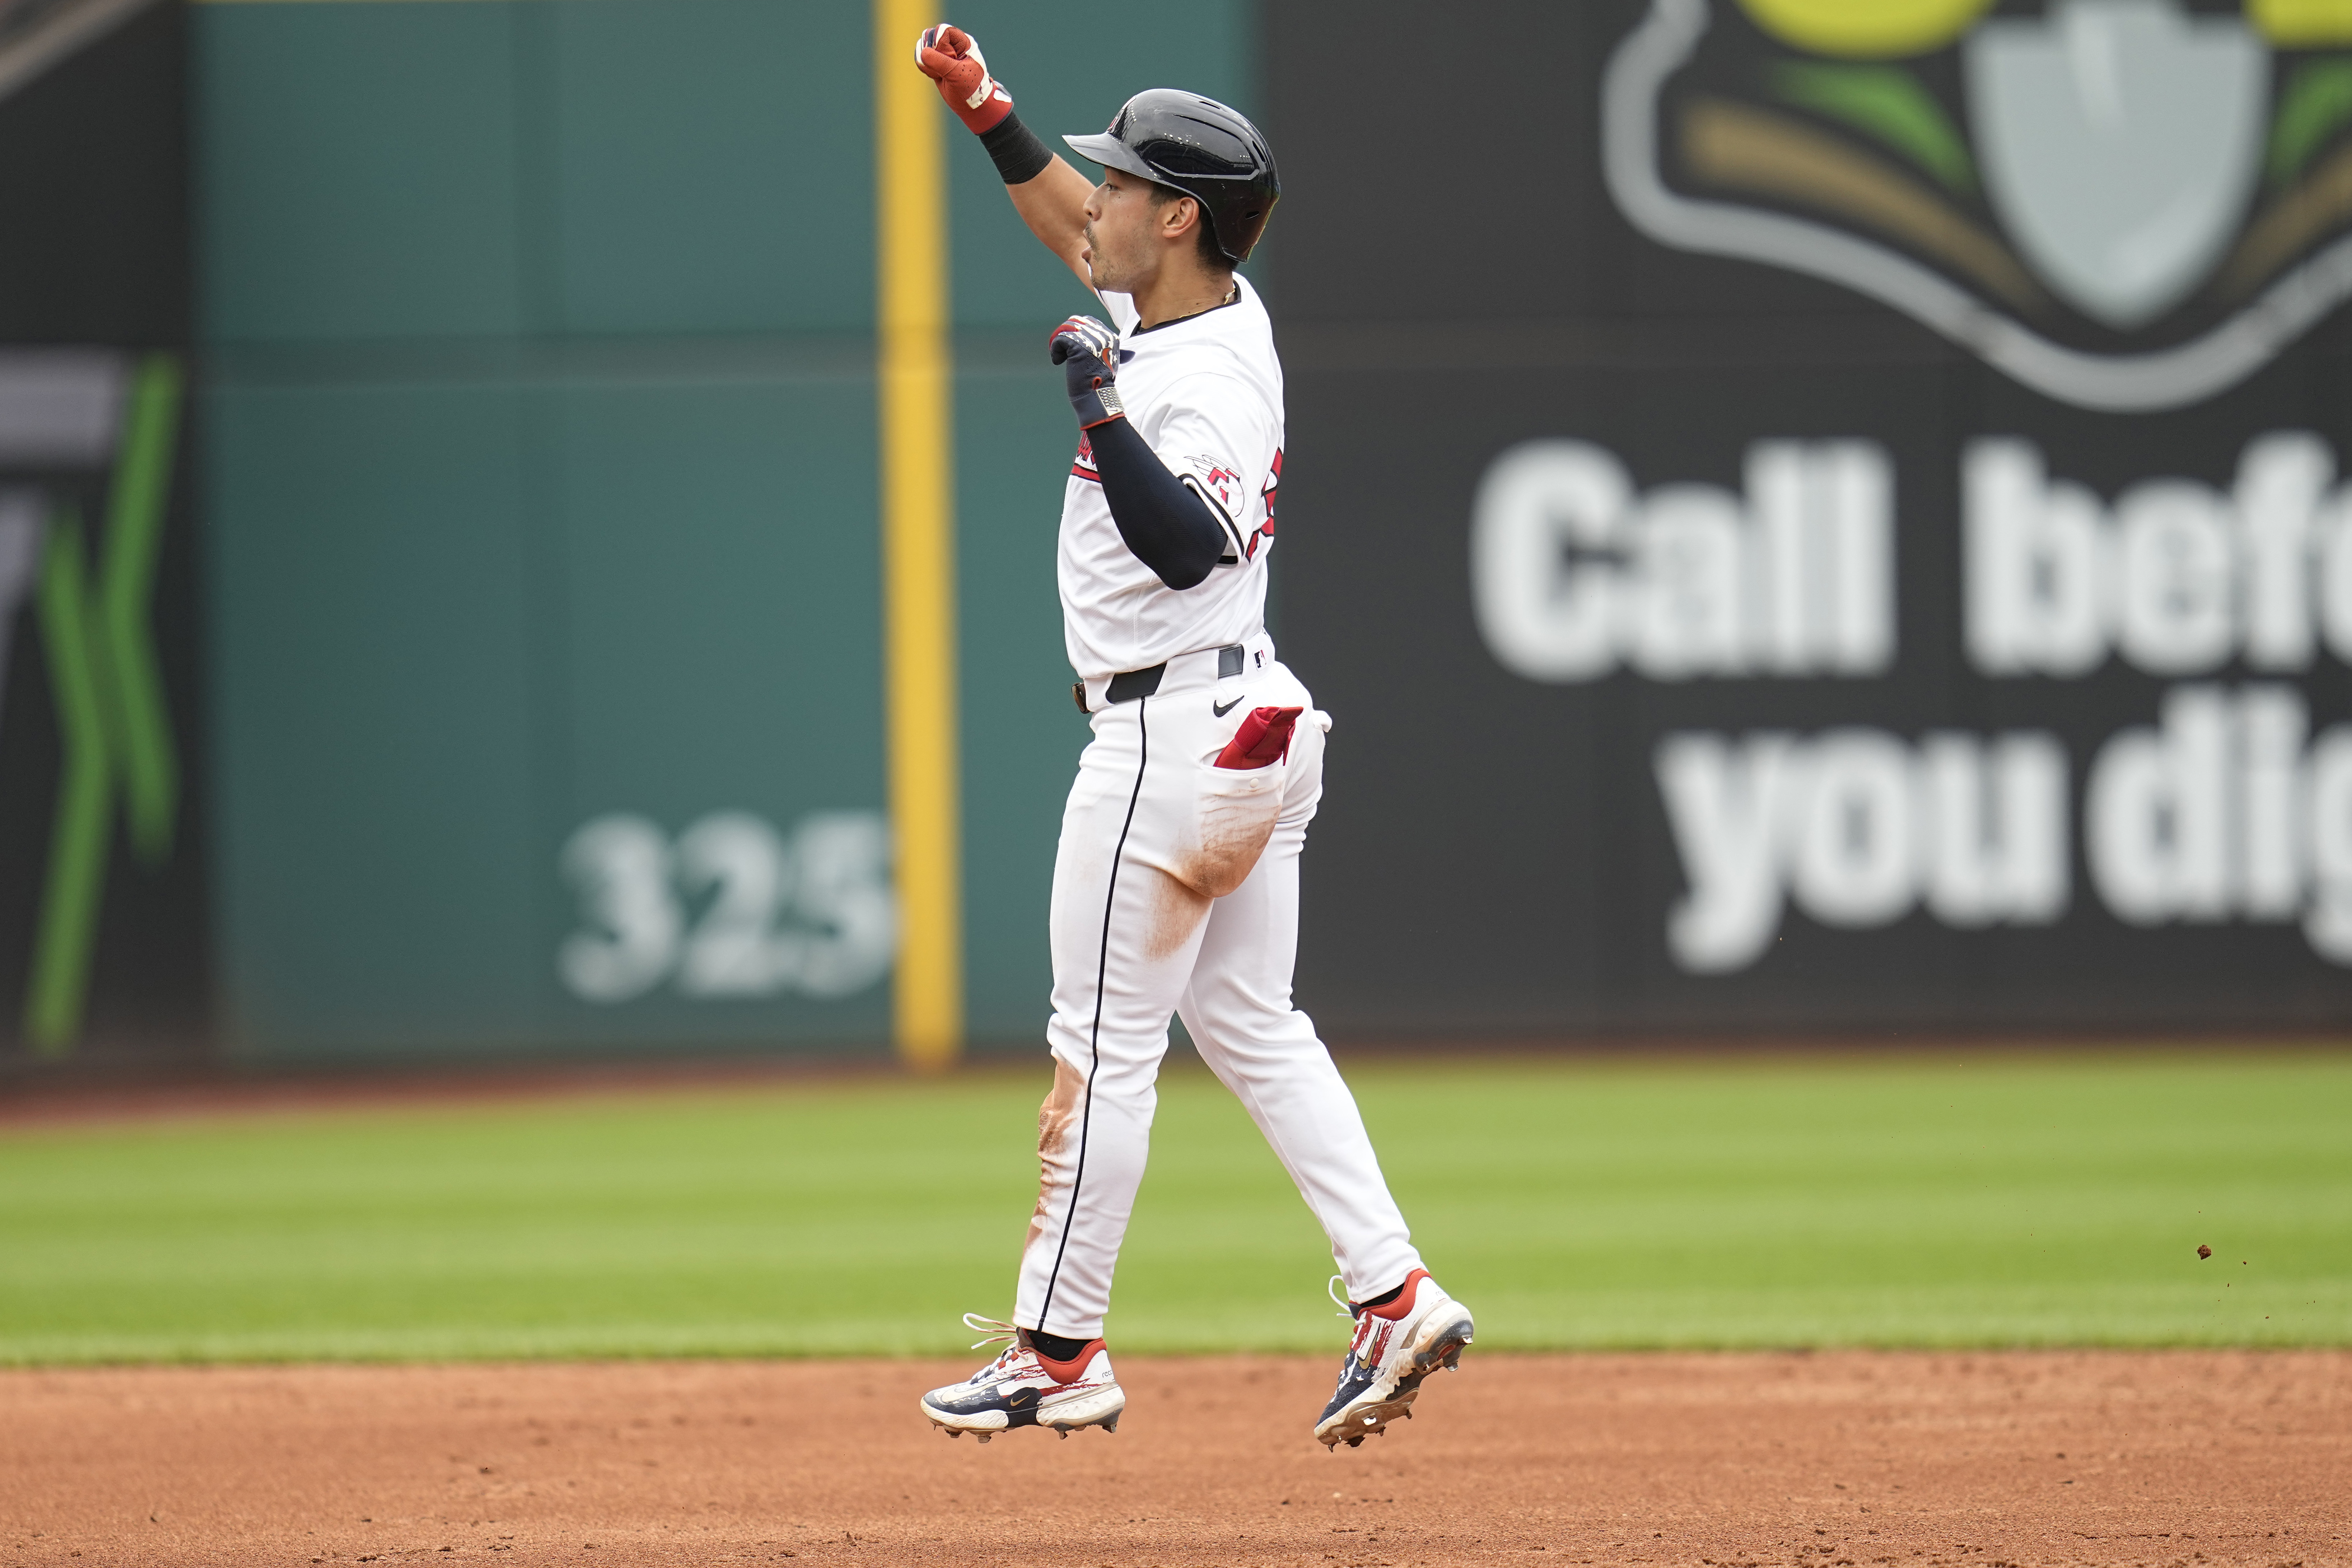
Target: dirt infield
(2155,1461)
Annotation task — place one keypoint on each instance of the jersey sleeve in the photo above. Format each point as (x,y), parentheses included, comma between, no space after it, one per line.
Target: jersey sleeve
(1219,440)
(1120,309)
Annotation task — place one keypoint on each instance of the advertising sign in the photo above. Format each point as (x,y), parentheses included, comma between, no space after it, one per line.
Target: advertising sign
(1850,528)
(101,891)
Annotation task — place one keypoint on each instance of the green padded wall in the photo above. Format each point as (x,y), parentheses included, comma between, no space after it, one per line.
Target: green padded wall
(540,466)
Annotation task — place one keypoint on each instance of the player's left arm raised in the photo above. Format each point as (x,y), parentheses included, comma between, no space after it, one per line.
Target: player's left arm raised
(1167,524)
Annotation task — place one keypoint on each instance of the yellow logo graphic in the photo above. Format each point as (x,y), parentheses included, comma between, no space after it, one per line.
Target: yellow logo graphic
(2303,24)
(1883,28)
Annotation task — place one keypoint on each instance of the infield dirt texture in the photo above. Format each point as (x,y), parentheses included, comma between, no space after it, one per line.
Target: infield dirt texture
(1977,1201)
(2137,1460)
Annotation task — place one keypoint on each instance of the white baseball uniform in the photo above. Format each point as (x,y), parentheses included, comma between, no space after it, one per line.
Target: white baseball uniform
(1176,882)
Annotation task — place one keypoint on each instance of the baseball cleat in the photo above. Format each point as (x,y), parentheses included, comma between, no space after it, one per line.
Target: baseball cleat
(1396,1346)
(1023,1388)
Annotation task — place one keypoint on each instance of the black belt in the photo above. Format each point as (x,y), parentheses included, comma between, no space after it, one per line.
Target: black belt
(1133,685)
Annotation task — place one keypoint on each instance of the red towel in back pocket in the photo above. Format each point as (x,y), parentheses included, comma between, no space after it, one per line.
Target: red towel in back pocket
(1263,740)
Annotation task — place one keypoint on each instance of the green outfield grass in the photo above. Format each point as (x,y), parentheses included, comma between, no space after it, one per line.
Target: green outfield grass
(1952,1200)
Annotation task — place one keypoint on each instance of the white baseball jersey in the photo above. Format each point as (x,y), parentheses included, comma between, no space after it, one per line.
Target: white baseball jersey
(1205,394)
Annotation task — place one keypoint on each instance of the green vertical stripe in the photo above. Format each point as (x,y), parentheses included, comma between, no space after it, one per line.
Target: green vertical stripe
(60,977)
(141,730)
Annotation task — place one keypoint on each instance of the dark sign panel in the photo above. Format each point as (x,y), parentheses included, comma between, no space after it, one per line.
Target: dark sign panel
(1812,515)
(101,897)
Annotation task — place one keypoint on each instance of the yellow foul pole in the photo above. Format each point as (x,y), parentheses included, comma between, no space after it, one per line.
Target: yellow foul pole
(918,537)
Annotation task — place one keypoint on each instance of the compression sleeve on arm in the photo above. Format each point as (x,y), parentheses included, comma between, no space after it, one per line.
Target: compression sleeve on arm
(1165,522)
(1015,151)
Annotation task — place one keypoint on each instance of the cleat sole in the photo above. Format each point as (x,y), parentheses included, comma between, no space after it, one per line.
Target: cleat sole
(1372,1420)
(1098,1407)
(1440,1350)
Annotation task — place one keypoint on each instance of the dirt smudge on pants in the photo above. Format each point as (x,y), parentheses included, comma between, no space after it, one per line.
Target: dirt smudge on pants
(1176,913)
(1057,1115)
(1234,831)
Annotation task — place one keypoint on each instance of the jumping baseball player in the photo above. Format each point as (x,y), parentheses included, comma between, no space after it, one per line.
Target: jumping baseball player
(1176,882)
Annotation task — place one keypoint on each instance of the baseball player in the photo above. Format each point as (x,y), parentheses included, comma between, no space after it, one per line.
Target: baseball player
(1176,881)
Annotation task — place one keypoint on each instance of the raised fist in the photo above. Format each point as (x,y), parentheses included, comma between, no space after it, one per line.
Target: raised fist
(1088,352)
(949,57)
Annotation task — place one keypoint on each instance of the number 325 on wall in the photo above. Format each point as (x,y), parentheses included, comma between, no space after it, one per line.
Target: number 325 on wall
(813,915)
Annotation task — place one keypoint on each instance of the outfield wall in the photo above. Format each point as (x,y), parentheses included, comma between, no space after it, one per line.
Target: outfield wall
(542,463)
(1806,517)
(1822,516)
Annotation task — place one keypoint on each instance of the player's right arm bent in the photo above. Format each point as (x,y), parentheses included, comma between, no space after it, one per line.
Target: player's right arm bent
(1050,195)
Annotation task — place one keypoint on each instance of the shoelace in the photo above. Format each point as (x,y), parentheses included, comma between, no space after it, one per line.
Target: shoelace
(1365,1321)
(989,1331)
(993,1332)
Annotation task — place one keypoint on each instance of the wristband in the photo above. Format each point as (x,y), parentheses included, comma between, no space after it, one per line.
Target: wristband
(1014,148)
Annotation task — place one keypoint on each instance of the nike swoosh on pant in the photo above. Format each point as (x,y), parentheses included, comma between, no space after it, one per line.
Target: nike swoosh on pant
(1221,712)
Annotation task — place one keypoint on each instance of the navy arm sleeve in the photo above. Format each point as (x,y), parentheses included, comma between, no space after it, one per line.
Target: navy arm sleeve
(1164,521)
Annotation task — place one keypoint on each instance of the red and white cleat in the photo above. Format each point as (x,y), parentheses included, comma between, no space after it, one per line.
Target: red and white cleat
(1023,1388)
(1396,1345)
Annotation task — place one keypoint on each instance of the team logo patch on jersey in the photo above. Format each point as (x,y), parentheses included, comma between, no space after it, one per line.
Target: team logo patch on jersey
(2121,203)
(1219,481)
(1083,465)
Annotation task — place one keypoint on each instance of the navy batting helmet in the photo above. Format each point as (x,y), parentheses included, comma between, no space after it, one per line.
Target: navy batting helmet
(1200,147)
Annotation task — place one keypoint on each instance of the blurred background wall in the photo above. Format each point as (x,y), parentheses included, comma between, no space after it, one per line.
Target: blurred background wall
(541,475)
(104,787)
(1806,516)
(1816,515)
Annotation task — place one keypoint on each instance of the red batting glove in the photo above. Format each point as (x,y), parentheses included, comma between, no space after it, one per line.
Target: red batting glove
(949,57)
